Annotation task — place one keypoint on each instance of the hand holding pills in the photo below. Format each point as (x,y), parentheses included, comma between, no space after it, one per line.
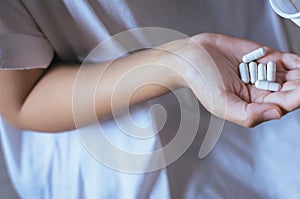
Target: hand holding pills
(270,85)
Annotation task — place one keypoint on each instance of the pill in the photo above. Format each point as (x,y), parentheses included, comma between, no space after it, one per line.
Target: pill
(262,72)
(253,72)
(256,54)
(244,73)
(266,85)
(271,71)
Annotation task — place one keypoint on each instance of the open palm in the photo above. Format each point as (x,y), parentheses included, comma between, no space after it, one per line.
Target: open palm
(232,99)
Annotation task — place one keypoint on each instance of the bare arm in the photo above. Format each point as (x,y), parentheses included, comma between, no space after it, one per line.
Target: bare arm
(42,100)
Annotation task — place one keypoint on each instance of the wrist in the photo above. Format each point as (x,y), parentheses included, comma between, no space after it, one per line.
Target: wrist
(183,59)
(163,69)
(174,62)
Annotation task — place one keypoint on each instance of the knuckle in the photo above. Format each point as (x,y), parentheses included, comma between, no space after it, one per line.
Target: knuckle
(249,122)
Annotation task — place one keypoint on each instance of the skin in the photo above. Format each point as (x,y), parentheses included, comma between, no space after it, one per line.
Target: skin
(42,100)
(246,105)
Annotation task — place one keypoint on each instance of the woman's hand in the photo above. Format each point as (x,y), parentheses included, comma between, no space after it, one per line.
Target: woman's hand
(209,65)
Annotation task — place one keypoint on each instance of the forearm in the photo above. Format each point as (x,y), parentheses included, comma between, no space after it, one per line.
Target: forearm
(47,101)
(48,107)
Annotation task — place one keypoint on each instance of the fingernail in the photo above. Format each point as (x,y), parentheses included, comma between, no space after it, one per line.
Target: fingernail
(271,115)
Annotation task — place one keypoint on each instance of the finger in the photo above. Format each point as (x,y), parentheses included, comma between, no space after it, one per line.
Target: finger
(288,100)
(290,85)
(291,61)
(251,114)
(291,75)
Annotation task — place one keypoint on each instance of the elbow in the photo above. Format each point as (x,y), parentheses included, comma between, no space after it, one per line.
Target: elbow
(22,124)
(13,120)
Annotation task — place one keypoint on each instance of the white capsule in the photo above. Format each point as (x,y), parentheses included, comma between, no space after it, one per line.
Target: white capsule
(262,72)
(266,85)
(253,72)
(271,71)
(244,73)
(256,54)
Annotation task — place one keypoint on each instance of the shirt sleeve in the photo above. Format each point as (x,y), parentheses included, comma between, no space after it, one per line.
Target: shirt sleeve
(22,44)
